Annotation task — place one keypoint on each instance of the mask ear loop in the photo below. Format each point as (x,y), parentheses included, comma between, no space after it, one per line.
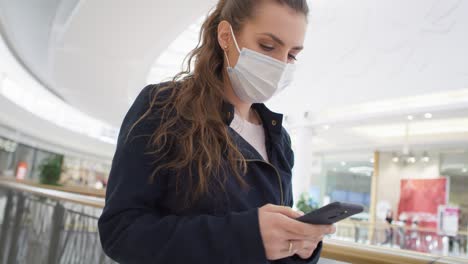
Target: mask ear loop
(225,54)
(235,42)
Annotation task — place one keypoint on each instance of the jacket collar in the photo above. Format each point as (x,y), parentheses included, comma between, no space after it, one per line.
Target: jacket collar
(272,121)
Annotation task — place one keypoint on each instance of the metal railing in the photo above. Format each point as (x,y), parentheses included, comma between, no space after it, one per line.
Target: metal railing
(42,225)
(419,239)
(49,226)
(350,252)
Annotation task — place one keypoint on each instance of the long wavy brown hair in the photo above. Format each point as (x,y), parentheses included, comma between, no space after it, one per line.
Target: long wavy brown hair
(192,133)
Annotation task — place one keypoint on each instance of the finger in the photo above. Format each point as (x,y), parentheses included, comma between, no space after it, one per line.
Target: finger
(295,236)
(288,235)
(285,210)
(307,249)
(306,253)
(330,230)
(300,228)
(303,248)
(295,245)
(284,249)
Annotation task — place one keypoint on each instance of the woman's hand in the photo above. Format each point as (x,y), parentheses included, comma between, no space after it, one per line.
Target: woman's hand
(279,228)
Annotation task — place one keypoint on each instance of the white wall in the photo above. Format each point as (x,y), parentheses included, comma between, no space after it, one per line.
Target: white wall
(301,179)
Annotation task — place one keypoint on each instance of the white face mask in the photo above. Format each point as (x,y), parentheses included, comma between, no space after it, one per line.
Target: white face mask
(258,77)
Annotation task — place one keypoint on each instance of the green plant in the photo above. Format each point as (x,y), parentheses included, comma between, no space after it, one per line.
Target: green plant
(306,203)
(50,170)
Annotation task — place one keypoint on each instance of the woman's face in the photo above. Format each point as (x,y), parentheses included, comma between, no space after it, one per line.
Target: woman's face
(274,30)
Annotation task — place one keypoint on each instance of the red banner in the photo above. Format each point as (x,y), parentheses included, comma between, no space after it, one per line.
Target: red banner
(419,202)
(422,195)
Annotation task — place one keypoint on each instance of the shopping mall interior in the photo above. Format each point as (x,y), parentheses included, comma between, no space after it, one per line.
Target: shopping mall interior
(377,114)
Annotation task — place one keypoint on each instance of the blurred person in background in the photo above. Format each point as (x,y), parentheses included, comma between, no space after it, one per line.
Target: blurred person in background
(389,231)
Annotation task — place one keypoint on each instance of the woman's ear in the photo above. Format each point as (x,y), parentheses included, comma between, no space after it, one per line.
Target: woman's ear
(224,35)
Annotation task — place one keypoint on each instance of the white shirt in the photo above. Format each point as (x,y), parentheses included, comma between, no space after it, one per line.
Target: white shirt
(254,134)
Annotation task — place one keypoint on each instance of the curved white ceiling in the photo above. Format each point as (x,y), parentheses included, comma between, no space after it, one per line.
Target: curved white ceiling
(98,54)
(32,115)
(95,54)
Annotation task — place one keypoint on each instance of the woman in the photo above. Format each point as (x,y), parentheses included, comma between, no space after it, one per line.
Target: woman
(202,170)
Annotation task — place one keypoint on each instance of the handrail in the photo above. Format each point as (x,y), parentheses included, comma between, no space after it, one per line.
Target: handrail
(55,194)
(101,193)
(43,225)
(366,254)
(332,249)
(72,189)
(353,223)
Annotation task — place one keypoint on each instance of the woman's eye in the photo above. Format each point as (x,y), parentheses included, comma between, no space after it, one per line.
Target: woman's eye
(266,48)
(292,57)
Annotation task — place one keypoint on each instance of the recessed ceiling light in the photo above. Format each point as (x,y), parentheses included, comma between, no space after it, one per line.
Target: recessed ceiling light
(464,170)
(410,117)
(411,159)
(326,127)
(427,115)
(343,163)
(425,157)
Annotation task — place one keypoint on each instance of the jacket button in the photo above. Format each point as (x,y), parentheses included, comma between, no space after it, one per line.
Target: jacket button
(273,122)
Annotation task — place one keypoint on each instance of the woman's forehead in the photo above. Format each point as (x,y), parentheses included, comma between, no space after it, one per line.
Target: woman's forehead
(279,20)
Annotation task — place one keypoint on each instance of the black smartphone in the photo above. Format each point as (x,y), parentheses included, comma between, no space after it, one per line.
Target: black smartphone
(331,213)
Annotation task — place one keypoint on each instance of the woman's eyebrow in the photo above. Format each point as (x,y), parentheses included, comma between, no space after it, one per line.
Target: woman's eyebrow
(278,40)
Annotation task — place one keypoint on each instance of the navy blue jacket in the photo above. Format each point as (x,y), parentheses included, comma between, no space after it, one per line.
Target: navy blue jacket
(140,223)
